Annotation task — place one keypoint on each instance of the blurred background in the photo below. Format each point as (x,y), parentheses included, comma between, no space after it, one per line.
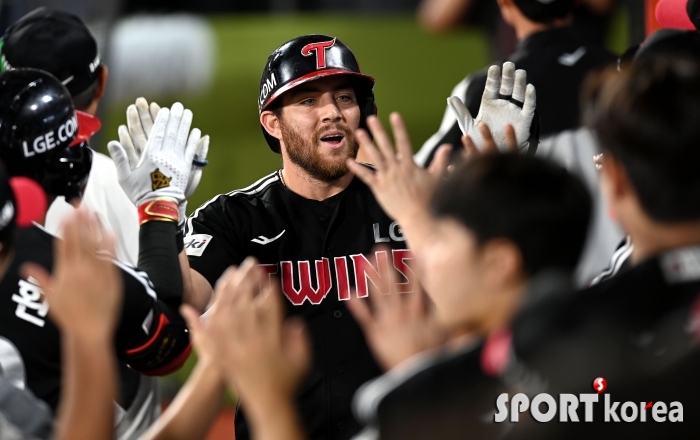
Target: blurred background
(209,54)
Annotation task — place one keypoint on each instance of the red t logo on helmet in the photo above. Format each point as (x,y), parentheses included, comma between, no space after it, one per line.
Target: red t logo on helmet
(320,50)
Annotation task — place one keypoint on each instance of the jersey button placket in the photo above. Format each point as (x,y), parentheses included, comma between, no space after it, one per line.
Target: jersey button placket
(337,314)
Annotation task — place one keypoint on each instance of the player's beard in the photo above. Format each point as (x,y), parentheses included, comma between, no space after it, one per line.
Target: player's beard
(304,152)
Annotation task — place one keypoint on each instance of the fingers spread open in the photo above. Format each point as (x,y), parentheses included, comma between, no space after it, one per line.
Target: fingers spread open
(369,148)
(470,149)
(381,139)
(145,117)
(363,173)
(403,141)
(511,141)
(489,144)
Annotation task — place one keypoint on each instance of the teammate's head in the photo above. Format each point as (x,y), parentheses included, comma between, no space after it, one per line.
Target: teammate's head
(503,219)
(646,117)
(538,11)
(312,99)
(41,136)
(62,45)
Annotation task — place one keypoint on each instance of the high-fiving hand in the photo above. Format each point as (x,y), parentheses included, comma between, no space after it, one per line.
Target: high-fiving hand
(507,100)
(164,168)
(401,187)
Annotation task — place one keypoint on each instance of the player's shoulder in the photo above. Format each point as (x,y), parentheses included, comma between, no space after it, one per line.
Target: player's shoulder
(261,189)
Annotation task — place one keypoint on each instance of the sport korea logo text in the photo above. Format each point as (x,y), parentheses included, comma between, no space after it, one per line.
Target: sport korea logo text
(568,405)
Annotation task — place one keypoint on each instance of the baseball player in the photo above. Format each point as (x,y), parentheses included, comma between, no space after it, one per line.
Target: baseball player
(312,224)
(43,138)
(556,61)
(60,43)
(638,329)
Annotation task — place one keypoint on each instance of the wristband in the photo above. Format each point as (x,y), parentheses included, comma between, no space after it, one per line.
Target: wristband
(163,210)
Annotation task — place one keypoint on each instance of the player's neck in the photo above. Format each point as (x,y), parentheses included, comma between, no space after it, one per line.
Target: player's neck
(525,27)
(653,238)
(300,182)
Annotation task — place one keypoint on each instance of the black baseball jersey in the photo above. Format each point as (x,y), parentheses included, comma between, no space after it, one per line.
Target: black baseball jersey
(436,396)
(30,343)
(638,330)
(319,251)
(557,61)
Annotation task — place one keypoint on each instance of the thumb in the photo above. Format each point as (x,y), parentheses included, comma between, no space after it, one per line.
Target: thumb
(191,317)
(120,158)
(461,112)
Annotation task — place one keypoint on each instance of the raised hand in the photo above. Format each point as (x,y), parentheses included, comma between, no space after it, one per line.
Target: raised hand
(166,162)
(397,326)
(84,292)
(261,353)
(402,188)
(507,100)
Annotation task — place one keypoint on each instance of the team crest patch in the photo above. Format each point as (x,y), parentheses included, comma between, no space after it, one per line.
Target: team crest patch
(159,180)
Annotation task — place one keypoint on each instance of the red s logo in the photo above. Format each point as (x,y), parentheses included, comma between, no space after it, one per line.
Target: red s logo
(320,50)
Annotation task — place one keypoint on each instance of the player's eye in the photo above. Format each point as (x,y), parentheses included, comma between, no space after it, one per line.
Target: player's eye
(308,101)
(346,98)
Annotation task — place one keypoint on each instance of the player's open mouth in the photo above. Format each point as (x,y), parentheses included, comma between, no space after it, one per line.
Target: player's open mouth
(334,140)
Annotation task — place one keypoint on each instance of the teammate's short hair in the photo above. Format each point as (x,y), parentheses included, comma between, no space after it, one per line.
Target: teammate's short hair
(545,11)
(59,43)
(646,116)
(536,204)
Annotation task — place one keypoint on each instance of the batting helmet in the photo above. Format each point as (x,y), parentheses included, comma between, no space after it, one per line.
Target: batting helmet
(41,135)
(308,58)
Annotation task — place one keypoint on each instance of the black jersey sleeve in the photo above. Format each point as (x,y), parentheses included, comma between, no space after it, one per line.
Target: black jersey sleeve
(210,242)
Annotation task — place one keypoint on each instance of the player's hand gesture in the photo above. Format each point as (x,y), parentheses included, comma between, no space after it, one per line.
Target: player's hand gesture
(397,326)
(261,353)
(133,136)
(84,292)
(402,188)
(507,100)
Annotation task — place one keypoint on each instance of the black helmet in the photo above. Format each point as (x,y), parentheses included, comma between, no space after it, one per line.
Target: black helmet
(308,58)
(41,135)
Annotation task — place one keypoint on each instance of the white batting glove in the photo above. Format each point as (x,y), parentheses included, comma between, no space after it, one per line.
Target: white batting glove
(135,134)
(497,112)
(166,161)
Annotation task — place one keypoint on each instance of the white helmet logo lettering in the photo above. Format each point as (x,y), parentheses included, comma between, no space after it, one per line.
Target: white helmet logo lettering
(48,141)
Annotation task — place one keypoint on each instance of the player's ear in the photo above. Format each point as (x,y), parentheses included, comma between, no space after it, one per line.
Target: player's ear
(102,82)
(271,124)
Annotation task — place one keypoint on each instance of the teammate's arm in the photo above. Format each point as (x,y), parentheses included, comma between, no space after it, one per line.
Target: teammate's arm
(84,293)
(197,291)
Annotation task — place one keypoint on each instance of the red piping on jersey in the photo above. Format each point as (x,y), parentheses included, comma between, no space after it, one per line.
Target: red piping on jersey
(172,366)
(162,322)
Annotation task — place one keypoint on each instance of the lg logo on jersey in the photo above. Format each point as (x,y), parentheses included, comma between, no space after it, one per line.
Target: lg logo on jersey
(298,287)
(29,298)
(395,233)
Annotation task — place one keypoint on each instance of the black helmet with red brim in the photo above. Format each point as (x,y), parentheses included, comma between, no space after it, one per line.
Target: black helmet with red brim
(41,135)
(308,58)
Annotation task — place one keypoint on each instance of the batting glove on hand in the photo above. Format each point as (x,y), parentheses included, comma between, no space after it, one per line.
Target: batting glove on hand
(166,161)
(507,100)
(134,136)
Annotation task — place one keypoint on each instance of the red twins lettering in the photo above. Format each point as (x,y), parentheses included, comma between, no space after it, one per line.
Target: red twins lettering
(320,50)
(299,283)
